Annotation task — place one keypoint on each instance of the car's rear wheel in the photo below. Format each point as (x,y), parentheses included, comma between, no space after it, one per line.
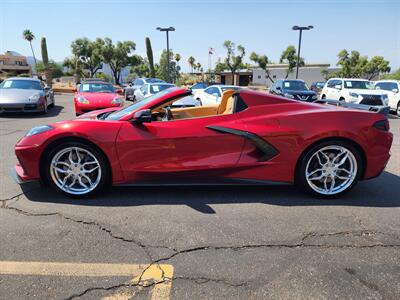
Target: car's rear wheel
(76,169)
(329,169)
(398,109)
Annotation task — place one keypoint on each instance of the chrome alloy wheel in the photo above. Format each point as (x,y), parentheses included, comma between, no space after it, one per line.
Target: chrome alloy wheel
(331,170)
(75,170)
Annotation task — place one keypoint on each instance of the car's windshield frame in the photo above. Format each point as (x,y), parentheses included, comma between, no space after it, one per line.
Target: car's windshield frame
(34,83)
(119,114)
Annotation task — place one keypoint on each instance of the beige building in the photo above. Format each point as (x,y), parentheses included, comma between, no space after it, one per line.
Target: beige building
(13,64)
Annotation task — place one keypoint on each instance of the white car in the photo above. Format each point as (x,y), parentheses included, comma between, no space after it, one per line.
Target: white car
(392,89)
(149,89)
(212,94)
(359,91)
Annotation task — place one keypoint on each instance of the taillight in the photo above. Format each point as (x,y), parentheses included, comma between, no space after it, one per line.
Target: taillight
(382,125)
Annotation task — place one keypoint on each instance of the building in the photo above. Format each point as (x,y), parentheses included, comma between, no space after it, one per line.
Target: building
(256,76)
(12,63)
(309,73)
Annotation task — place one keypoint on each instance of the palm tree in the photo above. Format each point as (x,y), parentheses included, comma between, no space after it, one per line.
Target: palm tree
(191,61)
(29,36)
(177,58)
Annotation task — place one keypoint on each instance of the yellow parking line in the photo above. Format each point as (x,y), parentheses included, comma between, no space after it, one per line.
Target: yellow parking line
(153,273)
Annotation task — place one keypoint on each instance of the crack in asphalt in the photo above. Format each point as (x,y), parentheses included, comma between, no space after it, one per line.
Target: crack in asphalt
(302,243)
(371,286)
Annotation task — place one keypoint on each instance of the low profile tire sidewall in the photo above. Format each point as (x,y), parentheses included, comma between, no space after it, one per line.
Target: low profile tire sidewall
(104,180)
(301,179)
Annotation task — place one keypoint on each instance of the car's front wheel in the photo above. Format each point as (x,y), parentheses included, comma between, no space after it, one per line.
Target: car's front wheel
(329,169)
(398,109)
(76,169)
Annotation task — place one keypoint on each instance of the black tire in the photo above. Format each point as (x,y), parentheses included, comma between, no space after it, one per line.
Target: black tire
(301,180)
(398,109)
(342,99)
(105,178)
(323,97)
(53,103)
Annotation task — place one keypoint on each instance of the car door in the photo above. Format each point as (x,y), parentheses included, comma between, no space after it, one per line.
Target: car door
(178,149)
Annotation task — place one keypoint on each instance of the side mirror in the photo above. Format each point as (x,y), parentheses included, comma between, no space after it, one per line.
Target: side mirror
(395,91)
(278,88)
(46,88)
(130,84)
(119,91)
(142,116)
(338,87)
(75,90)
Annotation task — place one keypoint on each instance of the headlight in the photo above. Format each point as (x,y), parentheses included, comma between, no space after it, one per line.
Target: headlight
(82,99)
(288,96)
(35,97)
(39,129)
(117,100)
(354,95)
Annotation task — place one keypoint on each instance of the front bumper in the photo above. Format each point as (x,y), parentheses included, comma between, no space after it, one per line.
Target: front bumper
(84,108)
(21,107)
(17,173)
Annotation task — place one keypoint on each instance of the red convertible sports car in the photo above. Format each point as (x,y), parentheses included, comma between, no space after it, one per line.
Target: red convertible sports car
(96,95)
(250,137)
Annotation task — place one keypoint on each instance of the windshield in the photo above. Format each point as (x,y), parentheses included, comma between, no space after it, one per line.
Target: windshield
(320,84)
(155,88)
(127,110)
(96,88)
(199,85)
(294,85)
(21,84)
(235,88)
(358,84)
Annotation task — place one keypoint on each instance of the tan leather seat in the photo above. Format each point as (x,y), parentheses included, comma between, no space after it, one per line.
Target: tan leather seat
(227,103)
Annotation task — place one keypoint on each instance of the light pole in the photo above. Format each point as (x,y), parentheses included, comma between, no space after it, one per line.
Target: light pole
(300,28)
(167,30)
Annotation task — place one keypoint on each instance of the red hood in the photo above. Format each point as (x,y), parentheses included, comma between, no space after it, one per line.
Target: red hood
(99,98)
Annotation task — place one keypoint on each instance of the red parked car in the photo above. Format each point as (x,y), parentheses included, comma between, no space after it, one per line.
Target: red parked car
(249,137)
(95,95)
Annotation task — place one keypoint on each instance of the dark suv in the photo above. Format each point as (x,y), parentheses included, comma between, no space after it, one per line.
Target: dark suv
(294,89)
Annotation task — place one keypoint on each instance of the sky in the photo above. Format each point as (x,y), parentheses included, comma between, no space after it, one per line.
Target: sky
(371,27)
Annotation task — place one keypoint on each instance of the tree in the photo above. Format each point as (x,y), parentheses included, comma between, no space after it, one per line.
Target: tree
(353,65)
(191,62)
(262,62)
(52,69)
(89,52)
(29,36)
(118,56)
(141,69)
(289,57)
(149,51)
(233,61)
(45,59)
(395,75)
(74,66)
(177,58)
(162,71)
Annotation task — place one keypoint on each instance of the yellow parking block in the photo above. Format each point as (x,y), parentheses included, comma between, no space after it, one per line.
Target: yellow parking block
(153,274)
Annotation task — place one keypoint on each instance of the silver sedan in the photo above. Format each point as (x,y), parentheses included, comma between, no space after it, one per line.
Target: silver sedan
(25,95)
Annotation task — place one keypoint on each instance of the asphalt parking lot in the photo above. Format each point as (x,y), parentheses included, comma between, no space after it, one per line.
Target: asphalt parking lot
(196,242)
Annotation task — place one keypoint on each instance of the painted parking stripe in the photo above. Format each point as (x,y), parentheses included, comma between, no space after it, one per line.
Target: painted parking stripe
(153,273)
